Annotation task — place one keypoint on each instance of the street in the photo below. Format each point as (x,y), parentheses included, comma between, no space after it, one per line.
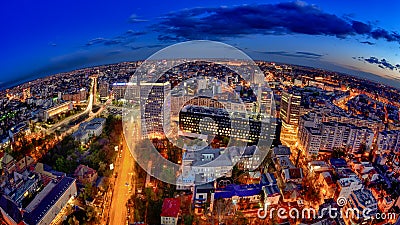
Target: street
(121,194)
(69,119)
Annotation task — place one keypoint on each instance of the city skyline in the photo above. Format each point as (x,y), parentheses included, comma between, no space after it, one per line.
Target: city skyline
(45,39)
(197,113)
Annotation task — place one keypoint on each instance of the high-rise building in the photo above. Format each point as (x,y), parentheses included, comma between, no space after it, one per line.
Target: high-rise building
(126,91)
(388,141)
(289,114)
(104,89)
(334,135)
(359,138)
(118,90)
(327,136)
(155,107)
(290,107)
(266,97)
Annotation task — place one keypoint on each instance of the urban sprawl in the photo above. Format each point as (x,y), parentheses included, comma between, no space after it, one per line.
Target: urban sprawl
(334,142)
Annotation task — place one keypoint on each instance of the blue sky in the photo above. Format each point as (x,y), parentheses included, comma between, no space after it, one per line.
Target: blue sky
(45,37)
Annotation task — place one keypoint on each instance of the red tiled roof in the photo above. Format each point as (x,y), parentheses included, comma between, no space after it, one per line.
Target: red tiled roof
(170,207)
(83,170)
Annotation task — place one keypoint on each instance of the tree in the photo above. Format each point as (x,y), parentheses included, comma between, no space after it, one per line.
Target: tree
(236,172)
(338,153)
(87,192)
(90,214)
(188,219)
(61,165)
(72,221)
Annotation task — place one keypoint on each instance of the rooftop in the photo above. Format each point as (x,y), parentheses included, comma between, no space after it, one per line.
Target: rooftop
(238,190)
(365,197)
(338,162)
(10,208)
(281,150)
(35,213)
(170,207)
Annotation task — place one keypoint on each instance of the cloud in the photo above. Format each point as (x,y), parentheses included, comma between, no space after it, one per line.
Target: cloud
(112,42)
(124,39)
(308,55)
(148,46)
(367,42)
(96,41)
(278,19)
(169,38)
(372,60)
(384,34)
(382,63)
(134,33)
(135,19)
(360,27)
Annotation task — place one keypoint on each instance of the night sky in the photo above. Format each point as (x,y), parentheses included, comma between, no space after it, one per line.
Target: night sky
(41,38)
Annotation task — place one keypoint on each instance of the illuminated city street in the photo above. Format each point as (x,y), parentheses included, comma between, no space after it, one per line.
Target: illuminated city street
(122,184)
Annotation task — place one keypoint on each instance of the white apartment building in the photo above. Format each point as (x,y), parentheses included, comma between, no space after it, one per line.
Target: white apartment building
(347,185)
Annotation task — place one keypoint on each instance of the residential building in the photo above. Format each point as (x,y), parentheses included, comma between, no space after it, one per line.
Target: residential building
(249,193)
(281,150)
(104,89)
(388,141)
(310,140)
(85,174)
(50,201)
(10,211)
(270,188)
(361,207)
(318,166)
(328,186)
(347,185)
(292,175)
(170,211)
(203,166)
(76,97)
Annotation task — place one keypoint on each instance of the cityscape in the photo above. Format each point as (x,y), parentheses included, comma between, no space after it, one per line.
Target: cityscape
(201,130)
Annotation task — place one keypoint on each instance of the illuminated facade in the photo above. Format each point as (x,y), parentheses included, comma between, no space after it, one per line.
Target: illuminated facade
(75,97)
(127,91)
(216,121)
(53,111)
(104,89)
(289,114)
(155,107)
